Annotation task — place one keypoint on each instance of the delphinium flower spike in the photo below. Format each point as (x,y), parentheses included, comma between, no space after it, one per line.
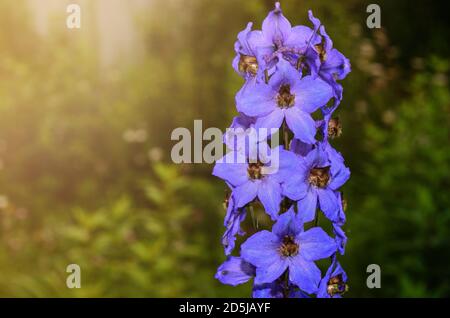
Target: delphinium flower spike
(290,72)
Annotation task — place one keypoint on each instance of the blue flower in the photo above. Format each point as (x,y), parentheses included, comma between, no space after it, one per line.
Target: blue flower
(333,64)
(317,177)
(334,283)
(290,73)
(288,97)
(259,177)
(290,248)
(245,62)
(278,39)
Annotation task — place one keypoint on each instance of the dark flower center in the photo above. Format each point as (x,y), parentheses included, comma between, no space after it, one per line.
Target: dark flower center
(322,53)
(334,128)
(284,98)
(254,170)
(289,247)
(336,285)
(248,64)
(319,177)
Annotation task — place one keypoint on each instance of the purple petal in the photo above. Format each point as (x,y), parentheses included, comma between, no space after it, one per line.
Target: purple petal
(261,249)
(323,285)
(328,45)
(242,45)
(300,147)
(300,36)
(287,224)
(315,244)
(276,27)
(317,158)
(272,120)
(305,274)
(256,100)
(313,61)
(256,39)
(264,57)
(269,193)
(342,218)
(340,238)
(268,274)
(335,269)
(245,193)
(340,175)
(232,222)
(329,204)
(228,169)
(296,187)
(290,163)
(333,154)
(285,74)
(235,271)
(336,64)
(307,206)
(301,124)
(311,94)
(316,22)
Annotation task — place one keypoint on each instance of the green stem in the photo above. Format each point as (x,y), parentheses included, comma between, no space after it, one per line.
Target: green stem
(266,76)
(316,219)
(285,135)
(286,284)
(252,214)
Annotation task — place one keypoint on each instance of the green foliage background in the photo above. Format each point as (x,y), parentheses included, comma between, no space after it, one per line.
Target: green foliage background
(85,171)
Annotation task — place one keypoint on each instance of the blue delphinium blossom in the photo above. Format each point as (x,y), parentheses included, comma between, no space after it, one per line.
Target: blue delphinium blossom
(333,64)
(291,76)
(314,182)
(245,62)
(278,39)
(250,179)
(334,283)
(288,247)
(288,97)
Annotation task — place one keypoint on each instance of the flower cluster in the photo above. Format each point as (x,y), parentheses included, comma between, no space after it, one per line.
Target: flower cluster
(291,86)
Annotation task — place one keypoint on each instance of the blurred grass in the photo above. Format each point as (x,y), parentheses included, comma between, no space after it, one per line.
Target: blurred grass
(85,173)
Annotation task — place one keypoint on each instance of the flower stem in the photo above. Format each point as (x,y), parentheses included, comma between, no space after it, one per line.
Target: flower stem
(286,284)
(316,219)
(285,135)
(252,214)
